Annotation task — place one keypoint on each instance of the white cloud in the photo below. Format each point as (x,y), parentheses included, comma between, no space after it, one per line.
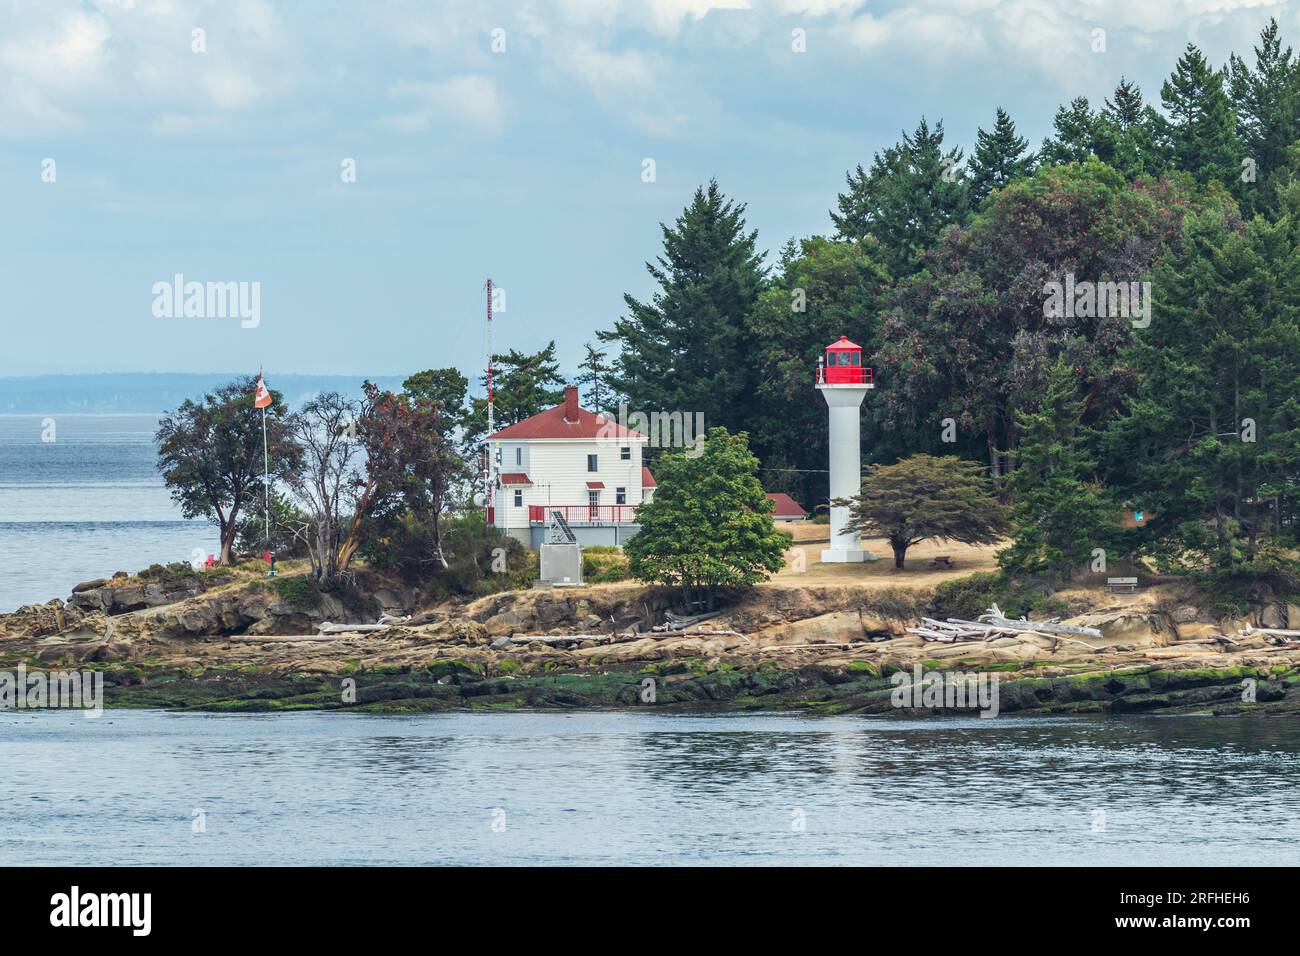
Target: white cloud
(628,83)
(467,99)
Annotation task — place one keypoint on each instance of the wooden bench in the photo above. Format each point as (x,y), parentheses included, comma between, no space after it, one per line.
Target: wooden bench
(1122,585)
(942,561)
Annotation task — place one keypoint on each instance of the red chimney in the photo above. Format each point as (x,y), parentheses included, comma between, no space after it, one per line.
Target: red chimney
(570,403)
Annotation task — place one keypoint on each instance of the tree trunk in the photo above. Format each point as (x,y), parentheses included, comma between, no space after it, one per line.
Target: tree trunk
(900,553)
(229,530)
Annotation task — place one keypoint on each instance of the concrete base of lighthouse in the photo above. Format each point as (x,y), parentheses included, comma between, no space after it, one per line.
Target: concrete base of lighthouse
(846,556)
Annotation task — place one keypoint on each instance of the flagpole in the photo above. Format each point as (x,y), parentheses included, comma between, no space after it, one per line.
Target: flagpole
(266,477)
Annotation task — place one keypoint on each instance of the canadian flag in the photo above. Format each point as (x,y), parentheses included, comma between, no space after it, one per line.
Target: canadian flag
(263,396)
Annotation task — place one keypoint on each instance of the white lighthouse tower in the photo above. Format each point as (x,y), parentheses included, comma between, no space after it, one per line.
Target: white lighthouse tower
(844,383)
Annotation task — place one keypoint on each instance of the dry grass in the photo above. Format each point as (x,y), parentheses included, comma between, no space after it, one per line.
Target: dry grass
(811,538)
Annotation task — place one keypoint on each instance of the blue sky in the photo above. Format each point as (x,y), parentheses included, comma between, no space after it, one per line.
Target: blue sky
(525,165)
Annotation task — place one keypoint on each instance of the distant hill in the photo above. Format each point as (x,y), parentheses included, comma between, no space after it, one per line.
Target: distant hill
(149,392)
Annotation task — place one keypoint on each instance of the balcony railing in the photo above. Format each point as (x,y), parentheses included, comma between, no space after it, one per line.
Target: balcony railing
(844,375)
(584,514)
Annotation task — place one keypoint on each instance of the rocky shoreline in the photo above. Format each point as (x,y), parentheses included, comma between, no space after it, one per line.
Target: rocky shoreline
(232,640)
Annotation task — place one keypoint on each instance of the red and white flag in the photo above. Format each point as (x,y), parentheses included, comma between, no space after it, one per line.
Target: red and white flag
(263,396)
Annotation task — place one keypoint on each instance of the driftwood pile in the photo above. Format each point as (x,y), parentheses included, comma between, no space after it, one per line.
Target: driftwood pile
(1279,636)
(993,623)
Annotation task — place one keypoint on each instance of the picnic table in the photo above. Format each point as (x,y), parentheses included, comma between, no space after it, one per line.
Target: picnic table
(942,561)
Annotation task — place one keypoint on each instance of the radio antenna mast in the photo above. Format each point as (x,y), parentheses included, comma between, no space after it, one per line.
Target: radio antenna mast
(491,419)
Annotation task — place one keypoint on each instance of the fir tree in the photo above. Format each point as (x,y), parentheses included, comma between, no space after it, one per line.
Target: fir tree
(1061,514)
(1200,128)
(594,373)
(1267,100)
(999,158)
(913,192)
(1133,127)
(686,349)
(1079,133)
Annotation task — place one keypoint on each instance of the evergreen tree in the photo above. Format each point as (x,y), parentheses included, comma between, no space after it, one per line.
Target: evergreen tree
(1267,100)
(594,374)
(912,193)
(524,384)
(686,349)
(1133,127)
(1079,133)
(924,497)
(1210,444)
(1061,513)
(999,158)
(1200,129)
(447,388)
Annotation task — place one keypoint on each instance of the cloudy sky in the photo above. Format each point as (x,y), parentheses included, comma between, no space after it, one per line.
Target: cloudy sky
(226,164)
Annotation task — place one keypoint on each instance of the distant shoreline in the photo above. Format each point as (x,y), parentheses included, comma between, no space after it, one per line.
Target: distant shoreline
(154,393)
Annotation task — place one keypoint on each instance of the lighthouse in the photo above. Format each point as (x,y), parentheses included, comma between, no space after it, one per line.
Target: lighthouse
(844,382)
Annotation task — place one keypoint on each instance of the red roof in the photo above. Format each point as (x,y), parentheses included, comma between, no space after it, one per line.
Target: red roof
(786,507)
(551,424)
(647,479)
(843,345)
(595,484)
(514,478)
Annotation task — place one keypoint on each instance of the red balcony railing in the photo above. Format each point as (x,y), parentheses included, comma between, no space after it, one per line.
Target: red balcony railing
(844,375)
(583,514)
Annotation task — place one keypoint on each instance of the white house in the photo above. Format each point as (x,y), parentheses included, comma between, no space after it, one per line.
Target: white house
(572,461)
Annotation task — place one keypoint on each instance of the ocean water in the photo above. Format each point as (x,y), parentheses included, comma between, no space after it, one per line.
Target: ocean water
(84,505)
(634,788)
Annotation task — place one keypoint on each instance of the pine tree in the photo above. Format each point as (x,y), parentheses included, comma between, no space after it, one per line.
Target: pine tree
(1200,128)
(924,497)
(686,349)
(912,193)
(999,158)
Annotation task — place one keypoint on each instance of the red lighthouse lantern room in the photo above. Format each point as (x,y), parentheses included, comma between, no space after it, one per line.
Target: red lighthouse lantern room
(843,365)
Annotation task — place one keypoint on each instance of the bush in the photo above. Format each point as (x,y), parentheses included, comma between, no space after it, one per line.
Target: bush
(969,597)
(603,565)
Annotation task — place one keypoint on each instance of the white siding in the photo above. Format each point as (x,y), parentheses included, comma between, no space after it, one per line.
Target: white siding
(558,470)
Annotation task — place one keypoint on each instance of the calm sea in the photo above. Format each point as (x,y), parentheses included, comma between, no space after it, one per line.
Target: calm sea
(84,505)
(144,787)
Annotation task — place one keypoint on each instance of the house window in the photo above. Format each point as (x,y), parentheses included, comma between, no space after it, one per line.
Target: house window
(620,496)
(519,455)
(625,453)
(591,462)
(519,498)
(593,498)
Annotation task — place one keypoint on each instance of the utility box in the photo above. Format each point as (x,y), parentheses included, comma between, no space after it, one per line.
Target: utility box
(561,564)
